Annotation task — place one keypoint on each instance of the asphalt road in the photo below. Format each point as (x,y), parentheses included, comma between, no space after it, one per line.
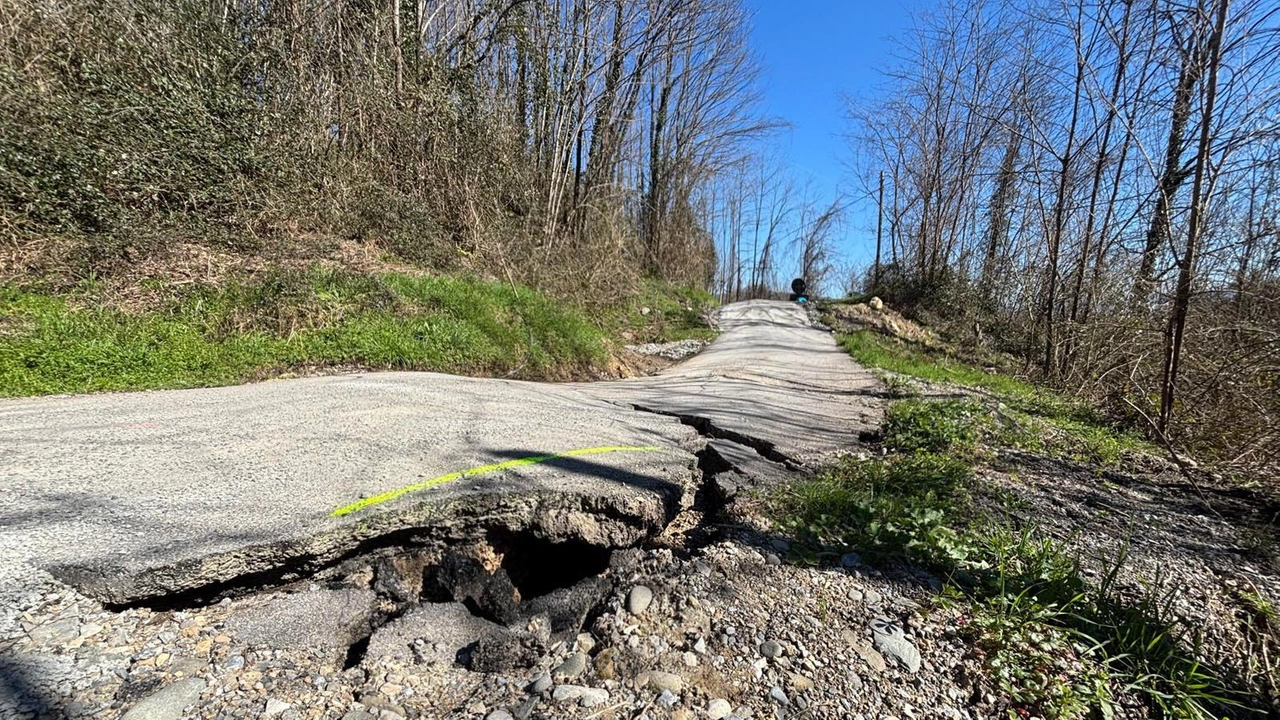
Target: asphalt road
(132,495)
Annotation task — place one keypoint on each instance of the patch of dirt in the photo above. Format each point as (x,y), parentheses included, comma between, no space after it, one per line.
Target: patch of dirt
(884,319)
(1204,550)
(625,363)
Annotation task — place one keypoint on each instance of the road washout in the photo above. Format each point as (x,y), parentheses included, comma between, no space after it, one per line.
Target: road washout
(524,547)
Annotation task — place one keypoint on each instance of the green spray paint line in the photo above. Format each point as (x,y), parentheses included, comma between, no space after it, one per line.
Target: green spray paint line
(483,470)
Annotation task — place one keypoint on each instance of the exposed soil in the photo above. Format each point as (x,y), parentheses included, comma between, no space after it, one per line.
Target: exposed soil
(1205,546)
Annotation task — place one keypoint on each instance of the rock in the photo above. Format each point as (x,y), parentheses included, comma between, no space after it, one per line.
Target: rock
(275,707)
(779,544)
(585,696)
(873,597)
(666,681)
(381,704)
(584,642)
(541,684)
(57,632)
(771,649)
(718,709)
(639,599)
(169,703)
(499,715)
(801,683)
(778,696)
(539,627)
(772,560)
(606,663)
(468,580)
(876,304)
(890,641)
(906,604)
(567,608)
(525,708)
(726,488)
(700,646)
(850,560)
(571,668)
(668,699)
(502,652)
(446,628)
(677,350)
(864,649)
(187,665)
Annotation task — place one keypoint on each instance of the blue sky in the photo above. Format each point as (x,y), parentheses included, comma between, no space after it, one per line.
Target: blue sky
(815,52)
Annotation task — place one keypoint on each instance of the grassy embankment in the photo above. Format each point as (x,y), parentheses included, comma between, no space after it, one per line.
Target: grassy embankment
(1056,643)
(289,321)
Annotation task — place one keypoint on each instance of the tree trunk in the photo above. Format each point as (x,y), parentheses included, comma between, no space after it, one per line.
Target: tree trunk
(1174,174)
(1186,266)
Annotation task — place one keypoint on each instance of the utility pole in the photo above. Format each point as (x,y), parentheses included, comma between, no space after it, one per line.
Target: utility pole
(875,275)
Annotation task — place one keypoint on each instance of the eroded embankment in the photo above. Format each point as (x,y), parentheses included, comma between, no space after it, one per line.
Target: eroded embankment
(518,570)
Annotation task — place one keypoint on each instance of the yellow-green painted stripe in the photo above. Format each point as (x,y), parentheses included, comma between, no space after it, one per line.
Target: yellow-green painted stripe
(481,470)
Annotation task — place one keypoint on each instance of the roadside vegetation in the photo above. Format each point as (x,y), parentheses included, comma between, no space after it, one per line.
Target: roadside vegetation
(289,321)
(999,407)
(1058,640)
(191,196)
(1109,219)
(660,312)
(285,322)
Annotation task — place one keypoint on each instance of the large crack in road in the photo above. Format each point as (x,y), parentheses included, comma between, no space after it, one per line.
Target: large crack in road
(508,499)
(137,496)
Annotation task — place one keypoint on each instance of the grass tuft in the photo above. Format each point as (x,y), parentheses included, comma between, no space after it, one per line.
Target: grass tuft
(893,507)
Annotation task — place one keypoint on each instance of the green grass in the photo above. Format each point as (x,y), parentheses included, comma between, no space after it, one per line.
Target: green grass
(898,507)
(1022,624)
(1029,416)
(1057,645)
(878,351)
(953,426)
(675,313)
(288,320)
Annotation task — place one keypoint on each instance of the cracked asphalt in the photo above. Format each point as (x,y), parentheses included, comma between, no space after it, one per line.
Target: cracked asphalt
(132,494)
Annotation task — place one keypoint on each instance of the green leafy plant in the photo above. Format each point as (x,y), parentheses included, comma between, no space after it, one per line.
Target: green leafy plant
(1061,645)
(935,425)
(1041,664)
(900,506)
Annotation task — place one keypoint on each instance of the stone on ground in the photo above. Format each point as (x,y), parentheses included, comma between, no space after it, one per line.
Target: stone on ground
(169,703)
